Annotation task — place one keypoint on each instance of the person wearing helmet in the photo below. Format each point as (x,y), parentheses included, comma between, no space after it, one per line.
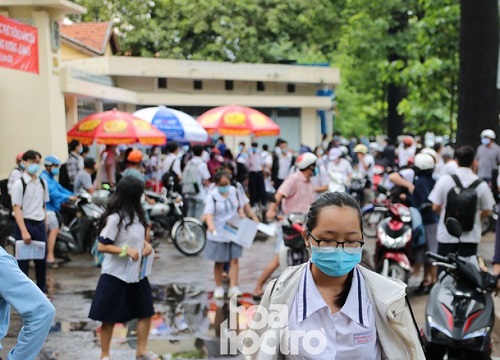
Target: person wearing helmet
(16,172)
(296,194)
(406,150)
(366,166)
(133,159)
(57,195)
(487,156)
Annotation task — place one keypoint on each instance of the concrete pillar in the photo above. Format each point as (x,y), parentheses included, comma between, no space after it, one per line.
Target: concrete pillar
(71,102)
(309,127)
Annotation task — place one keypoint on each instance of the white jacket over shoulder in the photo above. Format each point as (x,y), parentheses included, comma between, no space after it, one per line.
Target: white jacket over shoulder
(396,332)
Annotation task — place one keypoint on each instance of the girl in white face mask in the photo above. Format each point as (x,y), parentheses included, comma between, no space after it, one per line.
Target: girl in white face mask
(350,311)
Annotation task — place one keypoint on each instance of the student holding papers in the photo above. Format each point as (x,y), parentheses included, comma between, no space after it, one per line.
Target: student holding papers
(123,292)
(222,205)
(29,195)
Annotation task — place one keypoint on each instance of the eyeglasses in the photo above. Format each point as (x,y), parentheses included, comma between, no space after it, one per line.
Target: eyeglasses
(352,246)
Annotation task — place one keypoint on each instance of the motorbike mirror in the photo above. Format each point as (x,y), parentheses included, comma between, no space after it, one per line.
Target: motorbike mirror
(454,227)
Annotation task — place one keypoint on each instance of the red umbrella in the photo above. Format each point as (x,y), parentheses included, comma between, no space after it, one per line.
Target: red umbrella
(115,128)
(238,120)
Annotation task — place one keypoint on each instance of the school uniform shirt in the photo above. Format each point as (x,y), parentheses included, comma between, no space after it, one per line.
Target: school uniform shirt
(171,160)
(201,174)
(369,161)
(350,333)
(439,195)
(320,180)
(222,209)
(33,201)
(254,161)
(343,167)
(114,233)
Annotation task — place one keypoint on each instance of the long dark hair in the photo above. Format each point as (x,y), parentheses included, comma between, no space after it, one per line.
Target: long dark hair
(126,202)
(339,199)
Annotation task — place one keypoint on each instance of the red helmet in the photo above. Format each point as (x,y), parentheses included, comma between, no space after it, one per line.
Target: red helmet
(19,157)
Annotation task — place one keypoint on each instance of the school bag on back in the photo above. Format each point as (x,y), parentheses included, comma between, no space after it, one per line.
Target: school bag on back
(461,203)
(171,178)
(190,184)
(64,179)
(4,194)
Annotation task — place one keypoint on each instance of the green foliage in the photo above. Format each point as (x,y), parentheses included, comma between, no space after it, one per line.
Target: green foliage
(356,35)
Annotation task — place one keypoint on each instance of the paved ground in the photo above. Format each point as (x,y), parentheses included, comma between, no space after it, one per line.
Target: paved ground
(71,287)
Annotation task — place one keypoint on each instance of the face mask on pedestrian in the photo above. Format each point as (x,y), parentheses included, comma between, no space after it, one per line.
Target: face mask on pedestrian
(224,189)
(33,169)
(22,166)
(240,148)
(485,141)
(54,171)
(335,261)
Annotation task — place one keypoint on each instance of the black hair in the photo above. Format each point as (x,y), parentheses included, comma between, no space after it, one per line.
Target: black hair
(85,149)
(197,150)
(221,174)
(89,162)
(339,199)
(126,202)
(172,146)
(242,143)
(31,155)
(73,144)
(228,154)
(465,156)
(125,155)
(221,138)
(254,144)
(265,147)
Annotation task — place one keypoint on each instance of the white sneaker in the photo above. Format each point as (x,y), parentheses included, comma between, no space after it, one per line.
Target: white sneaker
(234,291)
(219,292)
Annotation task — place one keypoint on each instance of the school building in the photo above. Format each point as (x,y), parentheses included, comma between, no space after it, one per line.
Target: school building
(79,73)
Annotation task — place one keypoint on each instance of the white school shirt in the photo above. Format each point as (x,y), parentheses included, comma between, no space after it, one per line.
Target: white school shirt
(222,209)
(124,268)
(351,333)
(34,199)
(439,195)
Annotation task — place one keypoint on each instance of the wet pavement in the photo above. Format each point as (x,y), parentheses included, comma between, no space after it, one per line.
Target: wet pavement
(187,321)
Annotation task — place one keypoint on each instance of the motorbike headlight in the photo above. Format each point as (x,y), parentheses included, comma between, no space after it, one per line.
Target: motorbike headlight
(478,333)
(437,330)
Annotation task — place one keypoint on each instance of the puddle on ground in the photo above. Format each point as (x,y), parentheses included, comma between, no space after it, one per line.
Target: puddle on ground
(187,323)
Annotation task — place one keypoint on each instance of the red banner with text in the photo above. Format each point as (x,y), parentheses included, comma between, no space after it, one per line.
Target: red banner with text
(18,45)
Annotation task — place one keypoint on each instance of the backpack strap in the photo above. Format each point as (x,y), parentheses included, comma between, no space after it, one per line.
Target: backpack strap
(475,184)
(43,186)
(457,181)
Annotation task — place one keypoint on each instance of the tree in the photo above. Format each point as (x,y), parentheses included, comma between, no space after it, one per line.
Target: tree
(478,70)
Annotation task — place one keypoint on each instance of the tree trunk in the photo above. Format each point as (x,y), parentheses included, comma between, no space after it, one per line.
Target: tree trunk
(395,121)
(478,70)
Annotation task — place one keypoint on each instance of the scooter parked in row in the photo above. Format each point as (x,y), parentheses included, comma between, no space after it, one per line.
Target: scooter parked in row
(167,218)
(460,312)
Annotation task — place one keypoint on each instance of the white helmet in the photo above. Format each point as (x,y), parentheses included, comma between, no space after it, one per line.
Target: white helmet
(488,133)
(424,161)
(305,160)
(431,152)
(374,147)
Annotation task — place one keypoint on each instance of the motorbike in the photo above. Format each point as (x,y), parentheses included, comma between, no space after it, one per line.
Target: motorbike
(79,222)
(167,218)
(7,222)
(489,223)
(394,243)
(373,213)
(358,183)
(295,251)
(460,312)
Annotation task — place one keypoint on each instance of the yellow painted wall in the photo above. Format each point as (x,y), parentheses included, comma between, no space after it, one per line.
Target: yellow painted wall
(70,53)
(32,105)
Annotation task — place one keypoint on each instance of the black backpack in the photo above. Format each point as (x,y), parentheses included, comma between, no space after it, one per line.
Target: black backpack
(64,179)
(5,200)
(171,178)
(461,203)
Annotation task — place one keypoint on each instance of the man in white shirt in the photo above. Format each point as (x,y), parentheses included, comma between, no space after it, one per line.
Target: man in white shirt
(282,162)
(196,179)
(406,150)
(29,195)
(172,160)
(256,186)
(438,197)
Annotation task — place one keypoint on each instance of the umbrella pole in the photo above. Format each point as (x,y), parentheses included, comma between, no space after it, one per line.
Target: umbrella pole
(98,173)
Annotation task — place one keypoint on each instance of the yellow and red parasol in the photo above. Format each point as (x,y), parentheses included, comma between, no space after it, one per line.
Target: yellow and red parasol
(115,128)
(237,120)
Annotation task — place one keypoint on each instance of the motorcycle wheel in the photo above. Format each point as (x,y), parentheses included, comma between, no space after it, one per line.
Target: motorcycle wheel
(397,272)
(190,238)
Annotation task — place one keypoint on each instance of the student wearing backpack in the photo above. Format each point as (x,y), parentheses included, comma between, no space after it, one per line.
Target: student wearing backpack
(196,179)
(29,195)
(171,166)
(6,184)
(469,209)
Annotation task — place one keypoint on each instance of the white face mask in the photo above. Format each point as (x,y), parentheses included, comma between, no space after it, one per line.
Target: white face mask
(485,141)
